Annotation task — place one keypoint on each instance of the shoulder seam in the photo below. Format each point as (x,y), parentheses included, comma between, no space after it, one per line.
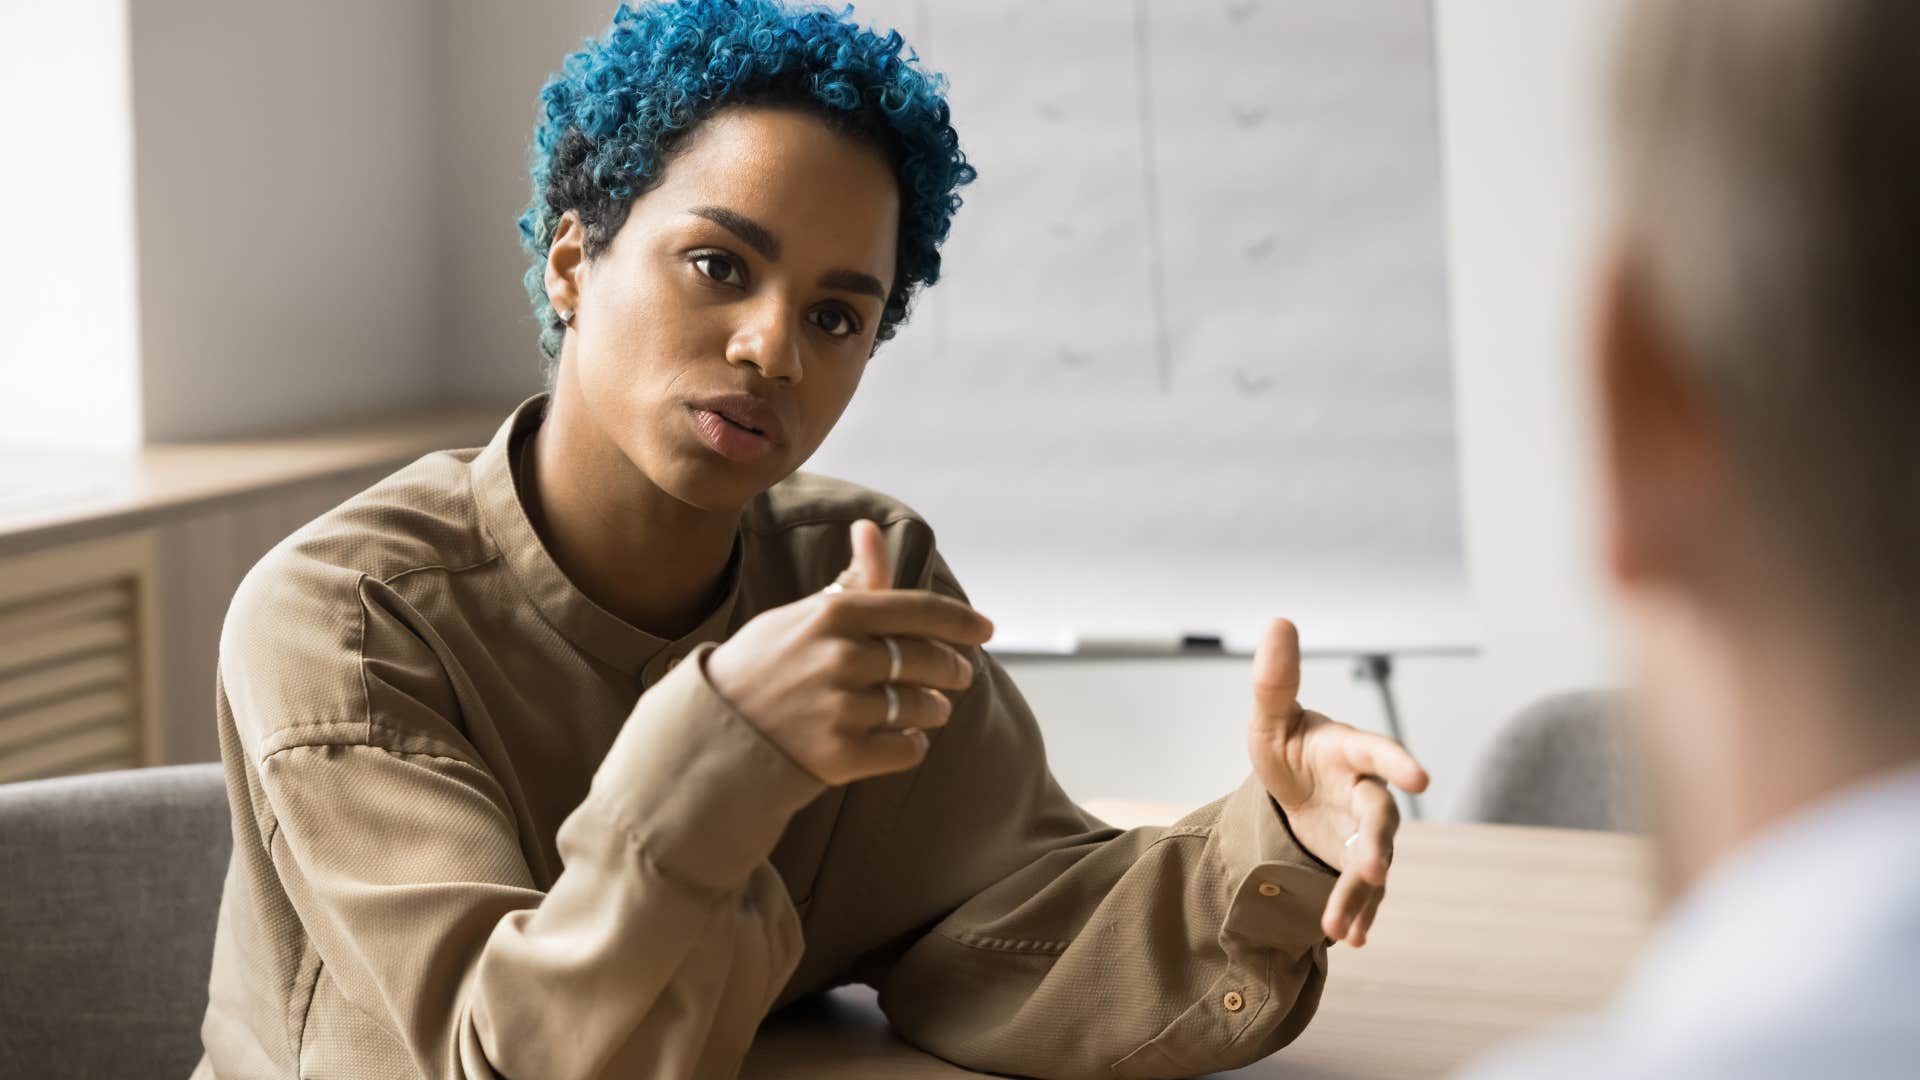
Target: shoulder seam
(1175,832)
(390,579)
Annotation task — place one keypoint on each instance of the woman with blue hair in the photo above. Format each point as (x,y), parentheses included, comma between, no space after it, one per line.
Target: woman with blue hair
(576,754)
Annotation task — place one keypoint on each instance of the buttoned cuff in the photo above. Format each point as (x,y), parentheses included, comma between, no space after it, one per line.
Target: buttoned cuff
(1274,949)
(701,791)
(1280,890)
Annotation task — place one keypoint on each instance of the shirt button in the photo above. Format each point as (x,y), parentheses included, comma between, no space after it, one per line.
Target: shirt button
(1233,1001)
(1268,888)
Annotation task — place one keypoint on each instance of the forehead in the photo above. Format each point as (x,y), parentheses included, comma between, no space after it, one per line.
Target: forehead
(827,195)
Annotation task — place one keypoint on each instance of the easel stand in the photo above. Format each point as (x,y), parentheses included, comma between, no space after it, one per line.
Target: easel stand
(1378,669)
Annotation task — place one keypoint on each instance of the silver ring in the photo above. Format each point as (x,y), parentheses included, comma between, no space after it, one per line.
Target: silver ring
(1351,839)
(893,658)
(833,588)
(893,705)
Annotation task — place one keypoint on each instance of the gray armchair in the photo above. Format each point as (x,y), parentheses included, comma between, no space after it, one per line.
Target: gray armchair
(1559,762)
(106,921)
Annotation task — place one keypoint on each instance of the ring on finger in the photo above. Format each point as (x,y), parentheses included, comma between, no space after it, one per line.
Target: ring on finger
(1351,839)
(893,705)
(893,658)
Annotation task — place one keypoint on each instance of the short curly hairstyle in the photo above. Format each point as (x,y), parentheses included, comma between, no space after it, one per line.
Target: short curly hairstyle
(616,111)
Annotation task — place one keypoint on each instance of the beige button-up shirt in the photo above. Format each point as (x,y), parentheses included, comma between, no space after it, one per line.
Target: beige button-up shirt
(484,828)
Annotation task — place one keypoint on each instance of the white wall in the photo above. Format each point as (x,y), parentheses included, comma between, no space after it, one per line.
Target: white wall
(69,327)
(1524,89)
(289,185)
(498,53)
(1521,100)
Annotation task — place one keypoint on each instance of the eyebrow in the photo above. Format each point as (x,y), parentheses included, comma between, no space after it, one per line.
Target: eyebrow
(757,237)
(854,281)
(752,232)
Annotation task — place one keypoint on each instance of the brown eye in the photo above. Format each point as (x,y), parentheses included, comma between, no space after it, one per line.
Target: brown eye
(720,268)
(834,321)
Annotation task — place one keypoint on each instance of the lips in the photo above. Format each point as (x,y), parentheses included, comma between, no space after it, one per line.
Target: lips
(739,427)
(751,414)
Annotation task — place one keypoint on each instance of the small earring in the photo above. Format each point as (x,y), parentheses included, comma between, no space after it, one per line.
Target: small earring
(566,318)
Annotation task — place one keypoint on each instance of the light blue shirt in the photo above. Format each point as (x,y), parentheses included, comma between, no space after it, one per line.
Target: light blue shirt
(1799,956)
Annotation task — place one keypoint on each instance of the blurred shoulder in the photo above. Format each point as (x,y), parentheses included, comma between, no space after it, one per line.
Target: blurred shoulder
(806,499)
(806,518)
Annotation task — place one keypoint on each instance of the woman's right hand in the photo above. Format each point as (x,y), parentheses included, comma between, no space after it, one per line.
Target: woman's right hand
(811,675)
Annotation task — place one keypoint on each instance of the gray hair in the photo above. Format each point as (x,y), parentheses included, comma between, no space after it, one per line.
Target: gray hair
(1769,178)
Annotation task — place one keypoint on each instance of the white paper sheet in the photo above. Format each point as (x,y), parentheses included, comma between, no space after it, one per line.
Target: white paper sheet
(1188,365)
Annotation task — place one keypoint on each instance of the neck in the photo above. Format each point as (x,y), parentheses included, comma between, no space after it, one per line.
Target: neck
(1748,722)
(632,548)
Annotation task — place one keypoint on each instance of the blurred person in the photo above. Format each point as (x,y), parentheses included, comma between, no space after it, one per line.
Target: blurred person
(1756,362)
(574,755)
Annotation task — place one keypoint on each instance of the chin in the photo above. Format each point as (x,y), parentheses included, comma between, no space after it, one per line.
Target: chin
(717,485)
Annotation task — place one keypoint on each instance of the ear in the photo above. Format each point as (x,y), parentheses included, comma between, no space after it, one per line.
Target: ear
(1662,455)
(566,263)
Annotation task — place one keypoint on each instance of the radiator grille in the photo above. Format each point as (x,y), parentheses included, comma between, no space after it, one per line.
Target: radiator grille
(71,645)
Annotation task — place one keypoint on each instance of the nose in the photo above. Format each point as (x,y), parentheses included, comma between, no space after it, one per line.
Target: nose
(767,341)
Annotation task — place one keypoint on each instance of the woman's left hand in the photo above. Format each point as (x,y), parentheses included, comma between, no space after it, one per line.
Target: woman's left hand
(1331,782)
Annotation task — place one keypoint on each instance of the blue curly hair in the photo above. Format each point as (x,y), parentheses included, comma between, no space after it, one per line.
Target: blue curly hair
(615,112)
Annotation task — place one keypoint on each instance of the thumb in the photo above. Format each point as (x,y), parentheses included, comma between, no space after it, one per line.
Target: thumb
(1276,674)
(869,568)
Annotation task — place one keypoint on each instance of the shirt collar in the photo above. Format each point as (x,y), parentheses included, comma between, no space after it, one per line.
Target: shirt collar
(568,610)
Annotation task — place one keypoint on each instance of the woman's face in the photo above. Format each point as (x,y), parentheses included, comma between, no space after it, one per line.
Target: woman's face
(719,337)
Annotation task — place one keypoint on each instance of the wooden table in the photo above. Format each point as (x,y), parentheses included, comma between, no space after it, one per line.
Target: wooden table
(1489,931)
